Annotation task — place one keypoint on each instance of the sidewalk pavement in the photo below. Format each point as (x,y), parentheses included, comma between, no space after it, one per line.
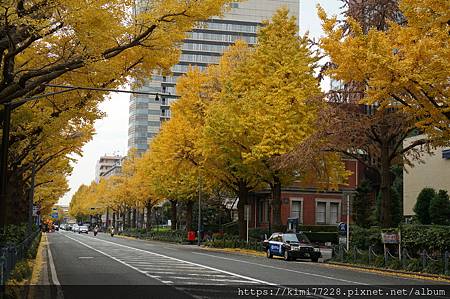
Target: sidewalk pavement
(40,279)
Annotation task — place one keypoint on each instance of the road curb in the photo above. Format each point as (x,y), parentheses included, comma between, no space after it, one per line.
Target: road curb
(235,251)
(40,262)
(40,276)
(405,274)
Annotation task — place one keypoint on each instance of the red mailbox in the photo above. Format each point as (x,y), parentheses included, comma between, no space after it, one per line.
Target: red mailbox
(191,235)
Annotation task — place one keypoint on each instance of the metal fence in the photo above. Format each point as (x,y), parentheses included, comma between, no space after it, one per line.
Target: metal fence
(10,255)
(433,263)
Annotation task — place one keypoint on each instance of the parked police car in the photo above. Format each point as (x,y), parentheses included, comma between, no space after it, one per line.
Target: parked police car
(291,246)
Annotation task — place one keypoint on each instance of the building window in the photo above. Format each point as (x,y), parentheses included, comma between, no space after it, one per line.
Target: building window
(297,209)
(328,211)
(321,212)
(334,212)
(263,211)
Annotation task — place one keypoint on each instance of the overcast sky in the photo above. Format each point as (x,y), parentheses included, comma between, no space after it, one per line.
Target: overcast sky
(112,131)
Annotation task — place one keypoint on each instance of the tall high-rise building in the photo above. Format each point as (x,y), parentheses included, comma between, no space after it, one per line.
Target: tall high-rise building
(108,165)
(203,46)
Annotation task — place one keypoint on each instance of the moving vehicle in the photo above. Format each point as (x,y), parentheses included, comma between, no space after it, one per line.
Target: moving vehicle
(291,246)
(75,228)
(83,229)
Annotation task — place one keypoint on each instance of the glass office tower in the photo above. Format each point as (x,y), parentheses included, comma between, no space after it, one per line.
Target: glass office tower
(203,46)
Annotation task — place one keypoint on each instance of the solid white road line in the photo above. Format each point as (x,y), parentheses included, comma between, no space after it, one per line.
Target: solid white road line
(59,292)
(52,266)
(183,261)
(283,269)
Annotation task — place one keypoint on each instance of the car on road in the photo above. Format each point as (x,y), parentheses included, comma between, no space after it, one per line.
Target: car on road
(291,246)
(83,229)
(75,228)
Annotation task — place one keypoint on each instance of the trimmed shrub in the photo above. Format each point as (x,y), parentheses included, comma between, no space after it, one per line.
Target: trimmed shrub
(363,238)
(318,228)
(432,238)
(422,206)
(258,233)
(14,234)
(440,208)
(322,237)
(414,265)
(21,271)
(394,264)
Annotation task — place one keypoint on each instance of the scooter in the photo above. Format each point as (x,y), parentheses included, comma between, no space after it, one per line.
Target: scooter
(95,232)
(112,233)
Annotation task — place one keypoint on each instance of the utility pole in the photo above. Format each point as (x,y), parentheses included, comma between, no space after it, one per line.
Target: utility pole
(199,209)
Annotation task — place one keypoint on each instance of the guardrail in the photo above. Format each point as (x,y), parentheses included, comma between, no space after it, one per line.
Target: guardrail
(10,255)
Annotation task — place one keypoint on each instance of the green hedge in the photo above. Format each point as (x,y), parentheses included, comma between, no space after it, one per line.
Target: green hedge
(415,238)
(14,234)
(363,238)
(318,228)
(258,233)
(432,238)
(168,236)
(235,243)
(322,237)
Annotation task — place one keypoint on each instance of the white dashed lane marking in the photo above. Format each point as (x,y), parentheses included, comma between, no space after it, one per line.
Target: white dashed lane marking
(163,268)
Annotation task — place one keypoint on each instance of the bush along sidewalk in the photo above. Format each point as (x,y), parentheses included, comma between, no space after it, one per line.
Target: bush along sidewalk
(215,240)
(16,266)
(234,243)
(424,249)
(15,259)
(178,236)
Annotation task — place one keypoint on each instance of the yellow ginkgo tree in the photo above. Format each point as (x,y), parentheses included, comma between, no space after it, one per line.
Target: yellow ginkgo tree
(99,44)
(406,64)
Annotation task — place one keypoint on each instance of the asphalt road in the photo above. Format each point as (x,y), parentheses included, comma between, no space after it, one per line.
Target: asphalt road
(161,270)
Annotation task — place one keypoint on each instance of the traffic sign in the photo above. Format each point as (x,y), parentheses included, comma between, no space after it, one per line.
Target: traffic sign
(36,209)
(342,227)
(55,215)
(247,212)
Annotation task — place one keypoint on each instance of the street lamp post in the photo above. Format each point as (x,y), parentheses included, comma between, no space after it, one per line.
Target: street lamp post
(6,118)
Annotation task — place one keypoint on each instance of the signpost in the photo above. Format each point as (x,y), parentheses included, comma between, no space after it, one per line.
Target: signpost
(392,238)
(342,228)
(36,209)
(247,216)
(348,195)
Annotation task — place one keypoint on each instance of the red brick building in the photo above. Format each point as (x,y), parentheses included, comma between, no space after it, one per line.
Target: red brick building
(309,205)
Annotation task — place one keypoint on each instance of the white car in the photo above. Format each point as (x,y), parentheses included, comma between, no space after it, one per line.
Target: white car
(83,229)
(75,228)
